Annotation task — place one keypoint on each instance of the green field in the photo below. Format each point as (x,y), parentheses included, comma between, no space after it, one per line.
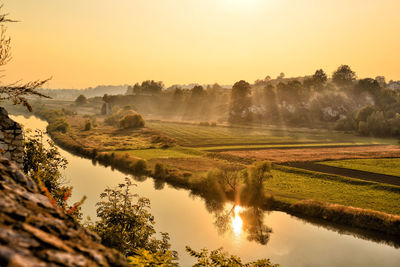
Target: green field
(174,152)
(384,166)
(208,136)
(293,185)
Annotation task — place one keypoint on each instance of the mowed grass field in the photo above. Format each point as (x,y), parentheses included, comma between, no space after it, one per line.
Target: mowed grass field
(389,166)
(293,185)
(194,135)
(172,152)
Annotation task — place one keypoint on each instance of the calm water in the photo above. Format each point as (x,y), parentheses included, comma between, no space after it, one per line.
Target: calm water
(293,242)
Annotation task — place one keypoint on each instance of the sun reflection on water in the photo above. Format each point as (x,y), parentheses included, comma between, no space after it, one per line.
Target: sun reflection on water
(237,222)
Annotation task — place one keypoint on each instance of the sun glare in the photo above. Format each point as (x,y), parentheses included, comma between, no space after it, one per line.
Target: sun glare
(237,222)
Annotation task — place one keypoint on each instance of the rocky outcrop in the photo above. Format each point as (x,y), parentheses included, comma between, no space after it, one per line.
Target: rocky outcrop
(33,232)
(11,138)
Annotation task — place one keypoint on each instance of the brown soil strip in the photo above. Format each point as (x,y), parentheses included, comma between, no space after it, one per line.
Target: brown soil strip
(263,143)
(362,175)
(279,155)
(286,147)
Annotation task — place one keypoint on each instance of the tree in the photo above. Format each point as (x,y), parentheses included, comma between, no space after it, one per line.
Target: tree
(369,85)
(255,179)
(81,100)
(15,92)
(219,258)
(319,78)
(126,224)
(343,76)
(198,92)
(240,102)
(151,87)
(43,163)
(131,121)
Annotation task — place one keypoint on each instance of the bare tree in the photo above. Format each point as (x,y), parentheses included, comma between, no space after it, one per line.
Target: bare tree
(15,92)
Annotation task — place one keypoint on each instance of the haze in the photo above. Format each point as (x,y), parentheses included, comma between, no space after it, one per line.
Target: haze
(85,43)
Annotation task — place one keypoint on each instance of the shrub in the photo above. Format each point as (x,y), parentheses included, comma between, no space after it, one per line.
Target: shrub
(131,121)
(81,100)
(159,171)
(59,125)
(219,258)
(255,178)
(126,224)
(204,123)
(140,167)
(88,125)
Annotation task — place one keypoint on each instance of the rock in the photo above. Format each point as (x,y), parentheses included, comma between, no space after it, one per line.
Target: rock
(33,232)
(11,138)
(3,112)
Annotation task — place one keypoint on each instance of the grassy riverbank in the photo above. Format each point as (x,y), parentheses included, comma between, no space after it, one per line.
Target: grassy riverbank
(343,200)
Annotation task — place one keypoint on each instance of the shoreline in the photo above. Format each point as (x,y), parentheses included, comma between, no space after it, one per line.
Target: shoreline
(337,216)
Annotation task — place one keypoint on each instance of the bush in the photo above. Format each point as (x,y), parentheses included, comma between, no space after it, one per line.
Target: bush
(131,121)
(159,171)
(140,167)
(81,100)
(59,125)
(88,125)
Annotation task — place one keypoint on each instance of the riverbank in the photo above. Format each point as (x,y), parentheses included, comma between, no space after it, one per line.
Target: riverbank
(340,214)
(294,241)
(306,195)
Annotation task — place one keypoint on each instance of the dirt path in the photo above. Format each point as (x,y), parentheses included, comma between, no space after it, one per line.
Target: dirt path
(362,175)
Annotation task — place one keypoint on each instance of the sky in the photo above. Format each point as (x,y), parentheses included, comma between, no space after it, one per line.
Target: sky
(83,43)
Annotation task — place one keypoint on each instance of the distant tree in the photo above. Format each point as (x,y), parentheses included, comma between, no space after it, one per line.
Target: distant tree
(178,93)
(369,85)
(281,76)
(291,92)
(319,78)
(136,89)
(151,87)
(198,91)
(216,87)
(343,76)
(15,92)
(364,113)
(240,102)
(81,100)
(271,102)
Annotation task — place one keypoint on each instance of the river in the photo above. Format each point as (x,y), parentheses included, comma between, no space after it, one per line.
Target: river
(293,241)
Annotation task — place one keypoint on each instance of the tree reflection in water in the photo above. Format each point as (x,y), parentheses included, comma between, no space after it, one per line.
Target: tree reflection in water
(238,220)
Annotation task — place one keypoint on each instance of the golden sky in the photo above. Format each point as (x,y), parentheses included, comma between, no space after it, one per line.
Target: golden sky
(84,43)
